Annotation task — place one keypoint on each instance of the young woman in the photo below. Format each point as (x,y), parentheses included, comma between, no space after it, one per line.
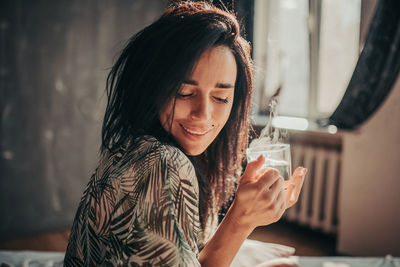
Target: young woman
(174,135)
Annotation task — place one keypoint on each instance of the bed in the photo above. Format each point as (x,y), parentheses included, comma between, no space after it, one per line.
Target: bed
(252,253)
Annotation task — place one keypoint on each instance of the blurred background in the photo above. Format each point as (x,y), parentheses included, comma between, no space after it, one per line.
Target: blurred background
(336,62)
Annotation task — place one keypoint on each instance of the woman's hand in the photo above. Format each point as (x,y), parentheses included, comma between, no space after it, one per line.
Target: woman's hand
(263,195)
(260,198)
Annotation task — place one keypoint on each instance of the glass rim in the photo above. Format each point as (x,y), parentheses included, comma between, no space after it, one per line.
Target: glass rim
(258,149)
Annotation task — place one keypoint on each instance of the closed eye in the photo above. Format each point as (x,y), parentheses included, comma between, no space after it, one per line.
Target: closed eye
(184,95)
(222,100)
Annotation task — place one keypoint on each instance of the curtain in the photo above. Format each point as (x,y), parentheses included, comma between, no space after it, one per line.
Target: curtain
(376,70)
(54,59)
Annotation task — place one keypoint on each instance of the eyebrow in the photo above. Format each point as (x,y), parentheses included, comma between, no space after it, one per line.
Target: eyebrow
(218,85)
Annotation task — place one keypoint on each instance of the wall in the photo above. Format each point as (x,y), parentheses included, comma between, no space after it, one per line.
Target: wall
(369,208)
(54,58)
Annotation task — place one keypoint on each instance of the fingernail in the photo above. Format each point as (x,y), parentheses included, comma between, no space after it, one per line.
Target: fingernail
(303,171)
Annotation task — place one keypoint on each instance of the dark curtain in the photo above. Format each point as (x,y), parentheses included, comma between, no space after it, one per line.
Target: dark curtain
(376,70)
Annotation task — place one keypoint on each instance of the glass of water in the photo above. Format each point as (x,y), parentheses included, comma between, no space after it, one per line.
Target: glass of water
(277,156)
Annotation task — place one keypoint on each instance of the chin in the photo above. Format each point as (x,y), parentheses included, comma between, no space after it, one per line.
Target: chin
(193,151)
(194,147)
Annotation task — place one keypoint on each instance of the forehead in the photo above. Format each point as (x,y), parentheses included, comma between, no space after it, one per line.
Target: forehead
(216,64)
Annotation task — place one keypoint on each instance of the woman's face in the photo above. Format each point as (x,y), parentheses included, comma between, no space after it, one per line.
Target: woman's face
(203,103)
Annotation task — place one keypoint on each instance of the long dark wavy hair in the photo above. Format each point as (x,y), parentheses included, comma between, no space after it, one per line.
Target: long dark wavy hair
(149,73)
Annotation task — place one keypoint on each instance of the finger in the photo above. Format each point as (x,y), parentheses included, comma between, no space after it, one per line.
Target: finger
(289,196)
(267,179)
(252,169)
(281,202)
(278,184)
(289,192)
(287,183)
(276,189)
(281,198)
(298,180)
(298,173)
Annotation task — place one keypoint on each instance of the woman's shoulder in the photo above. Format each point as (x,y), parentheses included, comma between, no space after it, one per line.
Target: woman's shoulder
(149,151)
(148,157)
(149,146)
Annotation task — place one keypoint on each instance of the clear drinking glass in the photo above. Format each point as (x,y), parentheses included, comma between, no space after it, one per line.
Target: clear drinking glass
(277,156)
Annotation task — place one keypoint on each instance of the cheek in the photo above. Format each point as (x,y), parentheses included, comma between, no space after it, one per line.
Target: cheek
(182,109)
(223,114)
(169,112)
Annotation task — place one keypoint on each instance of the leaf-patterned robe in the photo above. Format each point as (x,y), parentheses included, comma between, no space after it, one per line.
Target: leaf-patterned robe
(140,208)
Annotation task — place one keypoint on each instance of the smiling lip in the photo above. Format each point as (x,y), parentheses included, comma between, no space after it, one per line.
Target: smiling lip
(194,132)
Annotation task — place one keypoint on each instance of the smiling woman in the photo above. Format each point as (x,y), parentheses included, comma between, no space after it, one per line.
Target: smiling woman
(174,135)
(204,102)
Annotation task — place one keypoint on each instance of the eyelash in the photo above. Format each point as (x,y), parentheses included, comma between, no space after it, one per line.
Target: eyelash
(184,96)
(222,100)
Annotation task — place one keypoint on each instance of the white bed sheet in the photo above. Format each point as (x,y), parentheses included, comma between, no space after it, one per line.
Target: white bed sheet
(251,254)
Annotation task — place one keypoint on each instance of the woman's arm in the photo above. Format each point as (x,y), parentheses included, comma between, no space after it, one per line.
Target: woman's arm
(261,199)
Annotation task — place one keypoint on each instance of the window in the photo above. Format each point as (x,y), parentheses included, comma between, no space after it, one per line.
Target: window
(309,49)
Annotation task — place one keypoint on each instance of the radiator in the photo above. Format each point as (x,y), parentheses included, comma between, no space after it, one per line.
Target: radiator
(318,201)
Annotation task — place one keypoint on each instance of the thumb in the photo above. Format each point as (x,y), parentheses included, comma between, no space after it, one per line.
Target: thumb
(252,169)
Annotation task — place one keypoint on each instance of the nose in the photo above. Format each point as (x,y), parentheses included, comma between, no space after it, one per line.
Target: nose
(201,109)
